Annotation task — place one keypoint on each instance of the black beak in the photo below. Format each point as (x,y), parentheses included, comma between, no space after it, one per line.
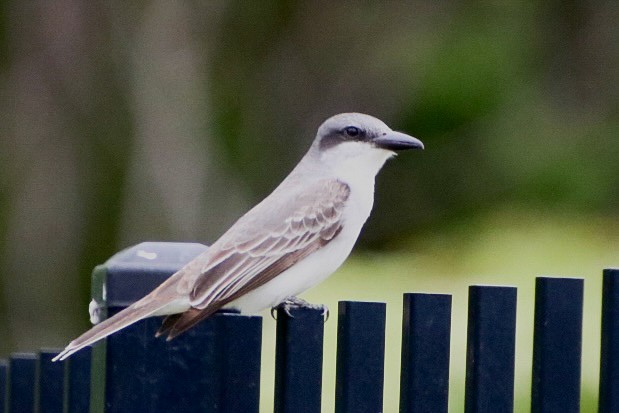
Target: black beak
(397,141)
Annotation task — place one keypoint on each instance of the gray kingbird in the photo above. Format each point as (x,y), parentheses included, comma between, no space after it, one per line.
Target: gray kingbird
(292,240)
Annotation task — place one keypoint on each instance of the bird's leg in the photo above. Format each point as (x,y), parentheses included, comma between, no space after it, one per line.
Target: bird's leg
(295,302)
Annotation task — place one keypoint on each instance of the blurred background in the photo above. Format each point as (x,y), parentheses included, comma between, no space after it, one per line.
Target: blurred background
(122,122)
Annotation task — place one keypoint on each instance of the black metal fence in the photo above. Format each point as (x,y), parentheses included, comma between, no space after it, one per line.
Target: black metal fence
(215,367)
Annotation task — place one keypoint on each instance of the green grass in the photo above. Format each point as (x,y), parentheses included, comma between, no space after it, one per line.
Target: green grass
(508,248)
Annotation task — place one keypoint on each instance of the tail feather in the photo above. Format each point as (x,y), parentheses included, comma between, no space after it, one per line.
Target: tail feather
(119,321)
(167,324)
(187,320)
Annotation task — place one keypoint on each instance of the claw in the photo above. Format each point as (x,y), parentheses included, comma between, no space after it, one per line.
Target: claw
(287,308)
(291,302)
(281,306)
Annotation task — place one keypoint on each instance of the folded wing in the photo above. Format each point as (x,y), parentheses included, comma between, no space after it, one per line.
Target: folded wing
(262,245)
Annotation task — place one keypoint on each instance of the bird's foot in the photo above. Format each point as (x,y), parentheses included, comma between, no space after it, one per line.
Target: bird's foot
(296,302)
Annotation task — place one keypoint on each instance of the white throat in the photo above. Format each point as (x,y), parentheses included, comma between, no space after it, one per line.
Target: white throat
(355,163)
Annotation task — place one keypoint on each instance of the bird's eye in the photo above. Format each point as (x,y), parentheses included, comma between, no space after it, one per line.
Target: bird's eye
(352,131)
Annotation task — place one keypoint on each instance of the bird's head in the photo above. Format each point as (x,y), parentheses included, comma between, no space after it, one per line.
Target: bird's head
(366,130)
(361,139)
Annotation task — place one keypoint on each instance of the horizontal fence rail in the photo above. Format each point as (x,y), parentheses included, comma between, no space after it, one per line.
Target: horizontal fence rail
(215,367)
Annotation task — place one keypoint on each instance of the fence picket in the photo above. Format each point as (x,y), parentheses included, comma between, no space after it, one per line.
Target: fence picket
(360,357)
(22,372)
(491,339)
(298,361)
(424,376)
(239,350)
(609,360)
(78,381)
(4,379)
(50,378)
(557,344)
(196,371)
